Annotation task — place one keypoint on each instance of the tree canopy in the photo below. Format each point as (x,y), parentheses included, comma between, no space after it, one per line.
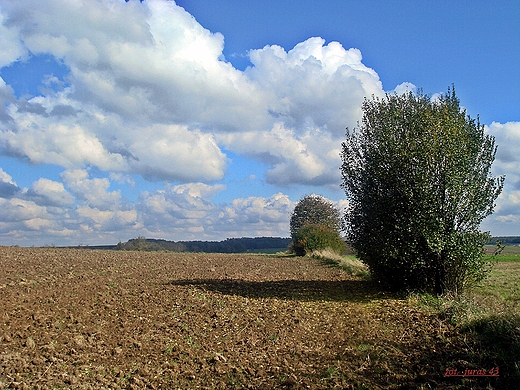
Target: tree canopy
(417,176)
(315,210)
(315,225)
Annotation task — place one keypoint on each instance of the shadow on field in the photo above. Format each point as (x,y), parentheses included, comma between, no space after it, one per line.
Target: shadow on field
(483,354)
(304,290)
(496,341)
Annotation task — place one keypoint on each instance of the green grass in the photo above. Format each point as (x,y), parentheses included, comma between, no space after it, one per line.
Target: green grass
(508,257)
(501,290)
(497,295)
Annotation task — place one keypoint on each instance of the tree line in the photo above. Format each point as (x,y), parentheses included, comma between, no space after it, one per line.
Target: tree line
(229,245)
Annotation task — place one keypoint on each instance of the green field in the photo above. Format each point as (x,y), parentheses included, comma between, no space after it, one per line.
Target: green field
(500,292)
(508,257)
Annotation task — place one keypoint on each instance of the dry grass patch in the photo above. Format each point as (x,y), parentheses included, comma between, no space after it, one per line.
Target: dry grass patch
(349,263)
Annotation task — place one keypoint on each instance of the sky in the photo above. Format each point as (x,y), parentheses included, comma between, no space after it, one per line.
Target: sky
(210,119)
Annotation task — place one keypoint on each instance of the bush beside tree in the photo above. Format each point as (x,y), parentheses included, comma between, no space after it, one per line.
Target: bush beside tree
(311,238)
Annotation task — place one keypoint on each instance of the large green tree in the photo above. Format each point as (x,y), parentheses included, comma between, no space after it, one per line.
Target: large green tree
(417,175)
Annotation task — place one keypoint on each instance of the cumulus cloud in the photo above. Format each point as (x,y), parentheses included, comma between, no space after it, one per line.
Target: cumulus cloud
(8,187)
(314,85)
(293,158)
(47,192)
(187,212)
(23,211)
(82,208)
(256,210)
(6,97)
(71,141)
(107,220)
(94,192)
(507,161)
(11,47)
(405,88)
(199,190)
(182,211)
(149,92)
(176,153)
(507,138)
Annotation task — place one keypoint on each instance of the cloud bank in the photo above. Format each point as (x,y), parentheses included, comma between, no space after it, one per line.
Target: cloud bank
(147,77)
(507,161)
(81,209)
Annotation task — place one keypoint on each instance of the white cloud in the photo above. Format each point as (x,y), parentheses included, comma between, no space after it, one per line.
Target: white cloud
(94,192)
(257,216)
(507,210)
(40,211)
(6,97)
(91,213)
(11,47)
(183,214)
(257,210)
(315,85)
(199,190)
(178,207)
(294,158)
(507,138)
(316,91)
(175,152)
(69,141)
(405,88)
(8,187)
(107,220)
(19,210)
(6,178)
(122,178)
(150,94)
(47,192)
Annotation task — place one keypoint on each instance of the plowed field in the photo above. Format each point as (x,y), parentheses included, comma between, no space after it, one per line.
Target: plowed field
(87,319)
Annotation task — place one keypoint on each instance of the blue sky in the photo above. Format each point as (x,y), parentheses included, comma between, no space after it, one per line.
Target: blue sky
(204,119)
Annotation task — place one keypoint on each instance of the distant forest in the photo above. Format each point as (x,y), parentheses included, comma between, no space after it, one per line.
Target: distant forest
(230,245)
(511,240)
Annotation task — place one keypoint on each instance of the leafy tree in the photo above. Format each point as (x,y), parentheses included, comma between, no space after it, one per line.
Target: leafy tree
(315,210)
(417,177)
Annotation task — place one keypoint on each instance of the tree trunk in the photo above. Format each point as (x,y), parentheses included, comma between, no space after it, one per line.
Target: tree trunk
(439,274)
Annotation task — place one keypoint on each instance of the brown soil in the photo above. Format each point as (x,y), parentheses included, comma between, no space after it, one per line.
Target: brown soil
(105,319)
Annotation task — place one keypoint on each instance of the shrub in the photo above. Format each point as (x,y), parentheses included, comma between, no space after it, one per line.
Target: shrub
(312,238)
